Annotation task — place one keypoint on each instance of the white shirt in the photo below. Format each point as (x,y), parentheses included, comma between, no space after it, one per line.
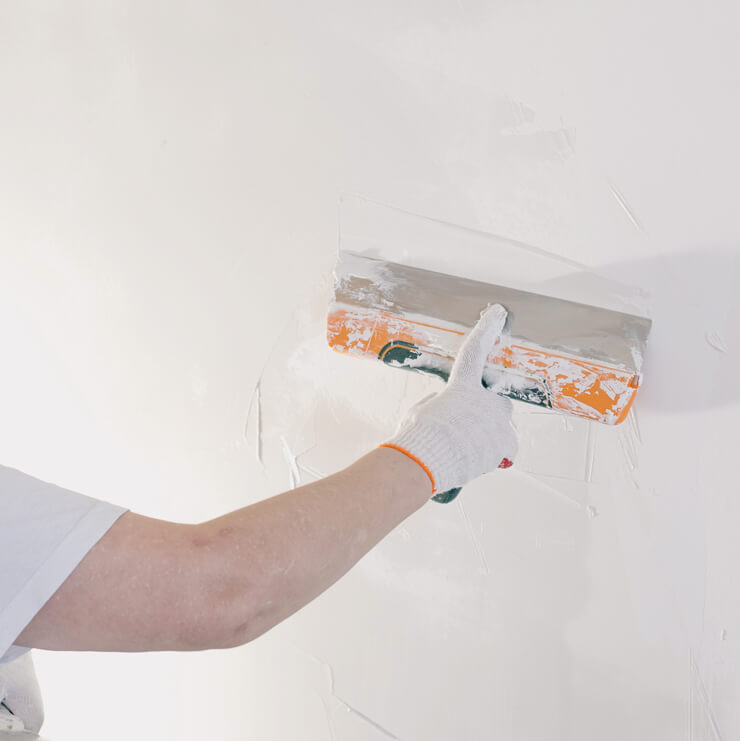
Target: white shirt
(45,531)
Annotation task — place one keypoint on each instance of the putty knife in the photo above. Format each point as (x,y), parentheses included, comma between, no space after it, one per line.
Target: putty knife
(560,355)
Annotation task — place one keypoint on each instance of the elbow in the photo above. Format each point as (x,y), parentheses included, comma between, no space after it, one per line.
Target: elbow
(230,606)
(231,617)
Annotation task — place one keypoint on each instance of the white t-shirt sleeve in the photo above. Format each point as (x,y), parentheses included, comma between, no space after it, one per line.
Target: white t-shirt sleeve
(45,531)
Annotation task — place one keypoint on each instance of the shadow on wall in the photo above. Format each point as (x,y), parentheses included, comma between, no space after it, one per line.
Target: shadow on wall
(696,306)
(692,356)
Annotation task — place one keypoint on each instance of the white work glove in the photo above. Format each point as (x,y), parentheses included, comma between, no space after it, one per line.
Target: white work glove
(465,430)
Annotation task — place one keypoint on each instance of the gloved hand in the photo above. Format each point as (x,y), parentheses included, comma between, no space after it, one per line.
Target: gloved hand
(465,430)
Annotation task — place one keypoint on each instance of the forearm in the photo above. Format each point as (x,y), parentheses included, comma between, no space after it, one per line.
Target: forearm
(267,560)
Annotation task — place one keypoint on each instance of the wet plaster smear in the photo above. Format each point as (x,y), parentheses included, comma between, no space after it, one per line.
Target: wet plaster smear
(168,223)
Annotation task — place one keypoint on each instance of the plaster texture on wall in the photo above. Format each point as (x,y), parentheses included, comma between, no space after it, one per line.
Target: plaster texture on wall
(169,183)
(518,586)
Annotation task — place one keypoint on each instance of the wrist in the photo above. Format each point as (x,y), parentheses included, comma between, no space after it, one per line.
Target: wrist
(418,461)
(408,476)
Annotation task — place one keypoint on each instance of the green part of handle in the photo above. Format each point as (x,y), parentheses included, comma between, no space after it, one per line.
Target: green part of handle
(447,496)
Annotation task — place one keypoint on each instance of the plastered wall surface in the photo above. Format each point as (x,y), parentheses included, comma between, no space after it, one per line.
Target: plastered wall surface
(169,186)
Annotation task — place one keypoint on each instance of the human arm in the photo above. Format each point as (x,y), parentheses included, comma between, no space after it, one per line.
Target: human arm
(155,585)
(151,585)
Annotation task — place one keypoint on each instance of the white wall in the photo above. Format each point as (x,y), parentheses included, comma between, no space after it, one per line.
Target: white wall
(169,178)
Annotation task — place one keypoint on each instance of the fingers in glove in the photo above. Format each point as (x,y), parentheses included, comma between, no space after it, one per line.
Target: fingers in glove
(501,408)
(471,359)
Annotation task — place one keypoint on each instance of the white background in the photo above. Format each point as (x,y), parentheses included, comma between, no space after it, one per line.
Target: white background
(169,180)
